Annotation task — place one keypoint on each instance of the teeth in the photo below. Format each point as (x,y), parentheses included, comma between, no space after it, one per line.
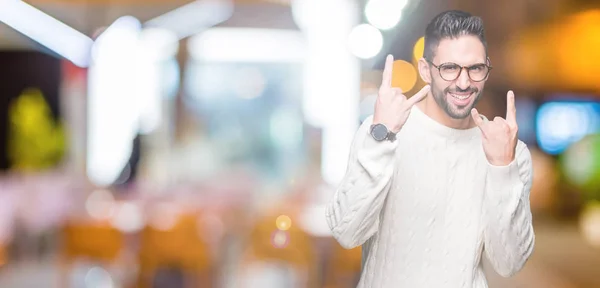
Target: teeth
(460,97)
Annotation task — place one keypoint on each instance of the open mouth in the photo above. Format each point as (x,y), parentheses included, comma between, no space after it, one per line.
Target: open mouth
(461,99)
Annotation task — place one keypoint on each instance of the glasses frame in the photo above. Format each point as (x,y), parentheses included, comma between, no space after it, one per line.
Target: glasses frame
(439,68)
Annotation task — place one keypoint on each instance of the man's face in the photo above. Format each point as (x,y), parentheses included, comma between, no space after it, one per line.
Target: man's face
(457,97)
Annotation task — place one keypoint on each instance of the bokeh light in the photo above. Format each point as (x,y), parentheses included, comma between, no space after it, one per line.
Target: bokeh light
(164,216)
(562,123)
(404,75)
(98,277)
(128,217)
(283,222)
(384,14)
(589,223)
(280,239)
(100,204)
(581,164)
(365,41)
(419,48)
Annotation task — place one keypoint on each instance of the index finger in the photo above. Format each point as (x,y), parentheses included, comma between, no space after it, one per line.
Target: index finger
(418,96)
(511,110)
(386,80)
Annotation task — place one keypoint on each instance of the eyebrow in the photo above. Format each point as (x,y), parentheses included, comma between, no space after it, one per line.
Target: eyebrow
(472,64)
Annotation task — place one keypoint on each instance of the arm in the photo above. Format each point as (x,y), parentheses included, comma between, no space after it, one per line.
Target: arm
(508,235)
(353,215)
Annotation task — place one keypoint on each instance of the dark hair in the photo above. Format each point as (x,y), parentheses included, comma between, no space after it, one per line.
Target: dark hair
(451,25)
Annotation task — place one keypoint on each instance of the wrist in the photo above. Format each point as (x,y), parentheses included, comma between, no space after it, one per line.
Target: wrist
(500,162)
(395,128)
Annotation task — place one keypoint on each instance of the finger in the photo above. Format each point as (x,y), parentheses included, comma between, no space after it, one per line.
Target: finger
(386,80)
(499,120)
(476,117)
(511,110)
(396,91)
(418,96)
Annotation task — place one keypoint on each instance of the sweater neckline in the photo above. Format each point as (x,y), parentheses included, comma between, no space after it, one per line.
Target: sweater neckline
(432,125)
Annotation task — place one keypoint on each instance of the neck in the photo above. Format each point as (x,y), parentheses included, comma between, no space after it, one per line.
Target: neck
(430,108)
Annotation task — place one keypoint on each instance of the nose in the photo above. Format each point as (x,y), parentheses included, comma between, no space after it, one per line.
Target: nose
(463,81)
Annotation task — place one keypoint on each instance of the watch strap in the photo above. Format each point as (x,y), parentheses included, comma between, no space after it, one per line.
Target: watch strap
(391,136)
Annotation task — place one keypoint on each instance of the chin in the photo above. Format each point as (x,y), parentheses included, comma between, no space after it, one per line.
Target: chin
(460,108)
(459,114)
(456,112)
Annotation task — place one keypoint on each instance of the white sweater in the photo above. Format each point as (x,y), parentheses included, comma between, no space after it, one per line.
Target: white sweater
(426,206)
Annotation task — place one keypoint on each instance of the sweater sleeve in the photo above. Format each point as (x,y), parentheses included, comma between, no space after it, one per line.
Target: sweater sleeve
(509,236)
(353,214)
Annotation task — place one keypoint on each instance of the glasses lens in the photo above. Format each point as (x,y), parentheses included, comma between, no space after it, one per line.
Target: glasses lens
(449,71)
(478,72)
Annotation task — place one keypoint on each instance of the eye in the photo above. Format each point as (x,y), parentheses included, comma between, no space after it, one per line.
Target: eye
(450,67)
(477,68)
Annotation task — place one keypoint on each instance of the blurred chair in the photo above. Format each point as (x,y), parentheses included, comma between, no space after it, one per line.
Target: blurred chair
(344,267)
(273,249)
(97,241)
(179,247)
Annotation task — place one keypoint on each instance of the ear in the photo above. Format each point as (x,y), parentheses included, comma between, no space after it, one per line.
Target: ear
(425,70)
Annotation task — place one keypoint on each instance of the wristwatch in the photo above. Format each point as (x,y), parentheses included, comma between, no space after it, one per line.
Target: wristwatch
(379,132)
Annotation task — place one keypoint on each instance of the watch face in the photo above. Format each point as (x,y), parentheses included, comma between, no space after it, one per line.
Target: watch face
(379,132)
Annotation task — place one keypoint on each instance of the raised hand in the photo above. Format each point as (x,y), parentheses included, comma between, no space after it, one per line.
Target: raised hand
(499,136)
(392,107)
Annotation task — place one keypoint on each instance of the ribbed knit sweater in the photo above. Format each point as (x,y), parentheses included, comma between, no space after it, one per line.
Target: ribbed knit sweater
(427,206)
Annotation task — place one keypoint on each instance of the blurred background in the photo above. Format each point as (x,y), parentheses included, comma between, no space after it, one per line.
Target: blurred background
(148,143)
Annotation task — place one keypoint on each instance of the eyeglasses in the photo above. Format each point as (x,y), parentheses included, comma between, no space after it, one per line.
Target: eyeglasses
(451,71)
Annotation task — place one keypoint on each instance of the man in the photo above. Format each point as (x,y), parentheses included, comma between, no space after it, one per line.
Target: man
(430,183)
